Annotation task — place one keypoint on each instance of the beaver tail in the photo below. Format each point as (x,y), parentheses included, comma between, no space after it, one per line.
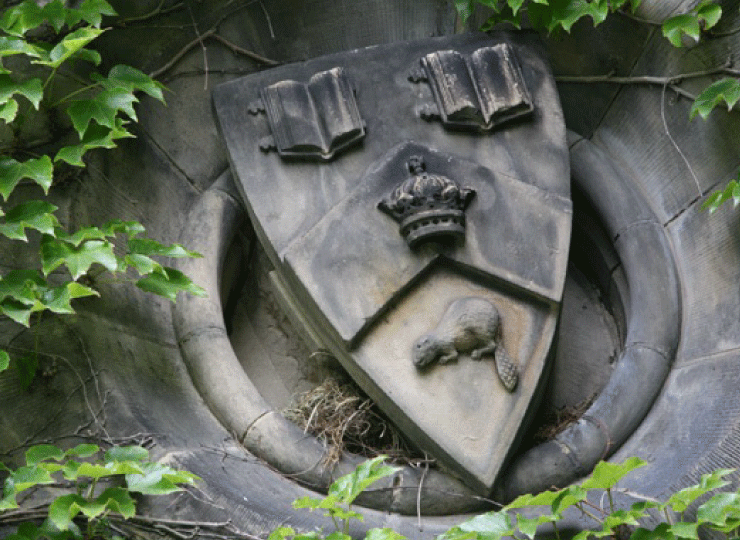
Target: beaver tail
(507,370)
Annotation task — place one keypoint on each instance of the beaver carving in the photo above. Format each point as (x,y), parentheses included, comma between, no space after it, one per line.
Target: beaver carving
(472,326)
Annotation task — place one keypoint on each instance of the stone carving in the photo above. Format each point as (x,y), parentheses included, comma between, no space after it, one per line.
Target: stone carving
(313,120)
(478,92)
(469,326)
(428,206)
(490,214)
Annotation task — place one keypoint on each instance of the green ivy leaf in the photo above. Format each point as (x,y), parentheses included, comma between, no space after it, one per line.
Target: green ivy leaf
(491,526)
(383,534)
(348,487)
(103,108)
(8,500)
(43,452)
(676,27)
(89,55)
(338,535)
(622,517)
(685,530)
(567,498)
(40,170)
(130,228)
(8,110)
(118,500)
(456,534)
(143,264)
(149,247)
(661,532)
(21,285)
(16,311)
(606,475)
(69,46)
(55,253)
(344,514)
(565,13)
(58,299)
(717,198)
(682,499)
(83,450)
(24,478)
(158,479)
(727,90)
(131,79)
(55,14)
(313,535)
(719,508)
(97,471)
(37,215)
(4,360)
(528,527)
(126,453)
(20,19)
(81,235)
(708,13)
(314,504)
(31,89)
(505,16)
(515,5)
(63,509)
(92,11)
(281,533)
(167,283)
(545,498)
(96,136)
(10,46)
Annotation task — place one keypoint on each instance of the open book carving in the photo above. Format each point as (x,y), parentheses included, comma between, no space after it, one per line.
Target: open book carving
(312,120)
(476,92)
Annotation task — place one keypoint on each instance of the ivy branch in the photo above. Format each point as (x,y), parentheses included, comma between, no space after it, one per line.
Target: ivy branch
(550,16)
(47,38)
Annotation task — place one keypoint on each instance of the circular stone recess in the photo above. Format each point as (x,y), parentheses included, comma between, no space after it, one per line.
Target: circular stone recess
(621,313)
(275,356)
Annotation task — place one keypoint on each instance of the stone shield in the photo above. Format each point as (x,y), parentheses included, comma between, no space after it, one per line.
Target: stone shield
(414,201)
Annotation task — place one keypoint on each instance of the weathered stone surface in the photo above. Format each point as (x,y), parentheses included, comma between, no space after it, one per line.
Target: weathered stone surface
(128,336)
(370,292)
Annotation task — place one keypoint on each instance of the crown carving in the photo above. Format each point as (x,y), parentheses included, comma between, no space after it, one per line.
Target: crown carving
(428,206)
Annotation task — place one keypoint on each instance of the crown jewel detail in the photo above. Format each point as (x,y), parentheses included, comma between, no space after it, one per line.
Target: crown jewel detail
(428,206)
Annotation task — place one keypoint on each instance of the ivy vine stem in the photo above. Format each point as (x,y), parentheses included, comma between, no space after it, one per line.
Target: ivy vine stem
(75,93)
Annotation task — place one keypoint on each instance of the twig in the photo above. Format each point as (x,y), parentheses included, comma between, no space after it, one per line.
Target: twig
(202,46)
(182,52)
(671,81)
(674,143)
(418,493)
(81,387)
(176,527)
(198,41)
(200,73)
(159,10)
(102,421)
(245,52)
(267,18)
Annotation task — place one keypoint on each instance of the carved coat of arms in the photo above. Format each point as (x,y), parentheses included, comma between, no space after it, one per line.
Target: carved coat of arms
(414,200)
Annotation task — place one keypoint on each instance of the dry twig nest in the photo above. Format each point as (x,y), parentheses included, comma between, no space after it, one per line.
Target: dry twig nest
(340,414)
(557,421)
